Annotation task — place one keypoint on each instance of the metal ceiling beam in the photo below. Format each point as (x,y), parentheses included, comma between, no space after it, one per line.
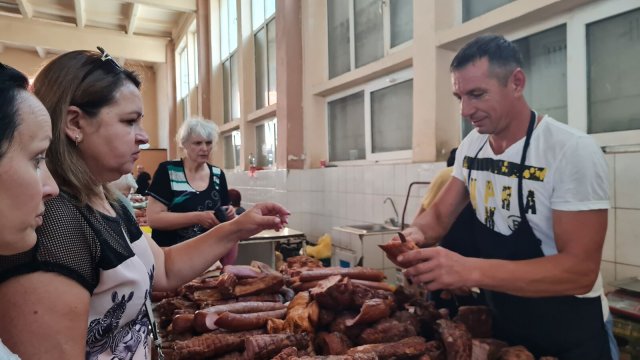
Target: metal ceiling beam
(133,18)
(56,36)
(81,13)
(41,52)
(176,5)
(25,8)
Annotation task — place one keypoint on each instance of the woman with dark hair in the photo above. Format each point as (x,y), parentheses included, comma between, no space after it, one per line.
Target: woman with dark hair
(236,198)
(89,280)
(25,181)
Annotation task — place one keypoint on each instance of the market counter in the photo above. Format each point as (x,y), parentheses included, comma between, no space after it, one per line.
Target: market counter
(263,245)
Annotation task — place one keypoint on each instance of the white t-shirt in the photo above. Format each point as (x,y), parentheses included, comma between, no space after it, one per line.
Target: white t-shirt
(6,354)
(565,170)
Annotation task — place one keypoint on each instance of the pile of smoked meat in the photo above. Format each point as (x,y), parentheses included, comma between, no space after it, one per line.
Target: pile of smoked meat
(306,311)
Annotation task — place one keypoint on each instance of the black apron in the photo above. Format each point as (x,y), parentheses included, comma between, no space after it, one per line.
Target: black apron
(567,327)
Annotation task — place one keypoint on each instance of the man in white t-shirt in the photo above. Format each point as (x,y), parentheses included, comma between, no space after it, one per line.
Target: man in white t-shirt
(539,190)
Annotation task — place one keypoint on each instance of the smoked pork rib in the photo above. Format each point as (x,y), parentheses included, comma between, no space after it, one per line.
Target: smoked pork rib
(334,343)
(239,322)
(386,330)
(204,320)
(286,354)
(436,351)
(263,285)
(396,248)
(372,310)
(456,339)
(483,349)
(334,292)
(515,353)
(302,315)
(408,348)
(264,347)
(477,319)
(210,345)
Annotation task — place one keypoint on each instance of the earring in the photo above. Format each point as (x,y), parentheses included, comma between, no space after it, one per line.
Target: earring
(77,139)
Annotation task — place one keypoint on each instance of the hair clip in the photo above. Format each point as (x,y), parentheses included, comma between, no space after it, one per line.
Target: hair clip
(106,57)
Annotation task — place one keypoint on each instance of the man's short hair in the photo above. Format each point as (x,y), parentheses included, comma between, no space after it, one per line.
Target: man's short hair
(503,56)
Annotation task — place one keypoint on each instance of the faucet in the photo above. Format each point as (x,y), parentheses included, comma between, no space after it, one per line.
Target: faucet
(393,221)
(406,201)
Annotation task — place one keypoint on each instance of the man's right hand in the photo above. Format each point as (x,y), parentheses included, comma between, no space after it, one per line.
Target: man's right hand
(413,234)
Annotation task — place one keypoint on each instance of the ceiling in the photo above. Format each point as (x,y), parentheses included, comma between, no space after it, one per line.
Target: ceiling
(129,29)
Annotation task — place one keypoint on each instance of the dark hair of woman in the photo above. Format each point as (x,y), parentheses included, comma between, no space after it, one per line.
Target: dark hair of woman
(12,82)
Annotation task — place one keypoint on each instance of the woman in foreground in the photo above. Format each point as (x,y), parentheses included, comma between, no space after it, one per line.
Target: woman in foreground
(25,181)
(89,283)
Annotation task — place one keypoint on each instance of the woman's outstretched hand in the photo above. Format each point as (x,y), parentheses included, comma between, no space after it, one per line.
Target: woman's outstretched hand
(263,216)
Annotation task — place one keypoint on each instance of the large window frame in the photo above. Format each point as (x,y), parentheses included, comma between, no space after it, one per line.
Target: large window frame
(187,69)
(267,25)
(229,58)
(368,88)
(182,55)
(270,121)
(387,49)
(464,17)
(577,83)
(235,138)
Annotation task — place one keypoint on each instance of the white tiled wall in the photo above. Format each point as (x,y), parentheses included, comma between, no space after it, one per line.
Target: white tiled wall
(621,253)
(320,199)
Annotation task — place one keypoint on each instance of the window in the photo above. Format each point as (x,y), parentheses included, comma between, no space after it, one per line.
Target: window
(264,30)
(339,44)
(475,8)
(228,47)
(231,93)
(187,70)
(363,31)
(401,21)
(266,139)
(367,24)
(232,145)
(194,37)
(545,65)
(228,27)
(374,121)
(184,73)
(187,54)
(346,128)
(582,69)
(613,50)
(392,117)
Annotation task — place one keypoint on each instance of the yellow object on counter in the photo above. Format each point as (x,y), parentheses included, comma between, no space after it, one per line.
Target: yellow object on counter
(322,250)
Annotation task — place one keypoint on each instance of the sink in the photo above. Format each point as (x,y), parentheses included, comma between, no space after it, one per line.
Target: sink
(370,228)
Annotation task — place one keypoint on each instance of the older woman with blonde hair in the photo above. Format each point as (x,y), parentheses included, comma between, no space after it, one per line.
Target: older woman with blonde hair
(189,196)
